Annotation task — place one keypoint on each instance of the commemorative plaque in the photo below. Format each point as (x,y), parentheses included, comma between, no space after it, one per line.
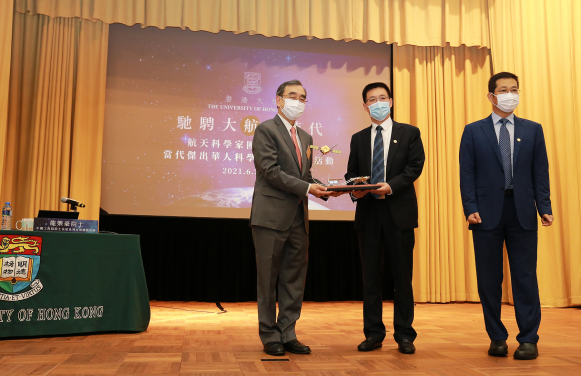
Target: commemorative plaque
(333,184)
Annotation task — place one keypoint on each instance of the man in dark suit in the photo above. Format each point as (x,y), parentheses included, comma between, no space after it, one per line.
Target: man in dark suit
(393,155)
(504,181)
(280,219)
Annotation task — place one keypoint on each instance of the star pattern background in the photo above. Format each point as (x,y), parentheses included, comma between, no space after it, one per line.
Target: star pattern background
(155,76)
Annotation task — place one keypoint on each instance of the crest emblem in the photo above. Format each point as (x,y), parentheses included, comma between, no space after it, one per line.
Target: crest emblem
(252,83)
(19,262)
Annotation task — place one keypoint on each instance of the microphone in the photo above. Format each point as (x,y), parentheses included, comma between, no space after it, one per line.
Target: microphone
(72,202)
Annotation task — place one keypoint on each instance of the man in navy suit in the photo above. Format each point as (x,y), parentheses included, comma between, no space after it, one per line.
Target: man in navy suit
(504,181)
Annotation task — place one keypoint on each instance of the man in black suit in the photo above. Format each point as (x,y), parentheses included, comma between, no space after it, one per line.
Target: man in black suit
(393,155)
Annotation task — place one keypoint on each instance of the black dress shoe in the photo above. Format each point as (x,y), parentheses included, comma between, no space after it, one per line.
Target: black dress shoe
(406,347)
(274,348)
(296,347)
(369,344)
(526,351)
(498,348)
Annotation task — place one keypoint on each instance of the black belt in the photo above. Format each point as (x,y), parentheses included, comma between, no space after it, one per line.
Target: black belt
(508,193)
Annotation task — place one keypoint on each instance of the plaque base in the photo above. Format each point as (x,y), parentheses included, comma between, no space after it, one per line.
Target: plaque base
(359,187)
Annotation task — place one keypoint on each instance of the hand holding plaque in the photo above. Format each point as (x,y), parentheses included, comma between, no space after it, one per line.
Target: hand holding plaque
(354,184)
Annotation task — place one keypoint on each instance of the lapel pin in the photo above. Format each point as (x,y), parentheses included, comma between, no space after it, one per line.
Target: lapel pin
(518,139)
(395,141)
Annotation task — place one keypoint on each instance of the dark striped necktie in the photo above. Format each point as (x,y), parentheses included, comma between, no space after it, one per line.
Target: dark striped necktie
(505,152)
(378,168)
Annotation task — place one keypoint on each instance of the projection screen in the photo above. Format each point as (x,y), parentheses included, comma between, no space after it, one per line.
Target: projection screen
(182,106)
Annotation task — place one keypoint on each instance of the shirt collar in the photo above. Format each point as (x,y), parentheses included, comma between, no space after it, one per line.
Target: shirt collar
(387,123)
(286,123)
(496,118)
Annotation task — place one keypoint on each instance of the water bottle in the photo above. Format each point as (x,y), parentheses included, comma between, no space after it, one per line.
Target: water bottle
(7,217)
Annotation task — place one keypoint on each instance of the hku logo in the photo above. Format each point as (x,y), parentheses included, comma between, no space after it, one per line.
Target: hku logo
(20,261)
(252,83)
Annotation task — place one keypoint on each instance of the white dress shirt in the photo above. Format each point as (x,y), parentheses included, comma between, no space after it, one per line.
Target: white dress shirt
(288,128)
(510,126)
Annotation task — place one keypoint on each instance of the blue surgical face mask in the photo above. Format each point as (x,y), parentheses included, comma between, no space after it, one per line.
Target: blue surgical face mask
(379,110)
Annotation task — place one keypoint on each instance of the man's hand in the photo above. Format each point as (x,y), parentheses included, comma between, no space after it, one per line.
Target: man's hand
(317,190)
(384,190)
(359,194)
(474,218)
(547,220)
(336,193)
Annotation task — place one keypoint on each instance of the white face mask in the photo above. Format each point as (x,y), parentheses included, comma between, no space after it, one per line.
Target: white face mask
(507,102)
(293,108)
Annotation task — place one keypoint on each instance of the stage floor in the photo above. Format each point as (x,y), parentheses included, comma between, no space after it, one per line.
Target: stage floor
(191,338)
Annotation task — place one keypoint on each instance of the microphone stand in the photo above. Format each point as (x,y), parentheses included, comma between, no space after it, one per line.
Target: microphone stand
(73,207)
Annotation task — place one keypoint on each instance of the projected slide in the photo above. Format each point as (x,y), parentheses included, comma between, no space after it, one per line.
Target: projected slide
(182,107)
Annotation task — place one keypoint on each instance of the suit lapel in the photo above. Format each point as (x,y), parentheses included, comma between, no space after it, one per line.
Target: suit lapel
(287,138)
(488,129)
(519,135)
(366,134)
(393,144)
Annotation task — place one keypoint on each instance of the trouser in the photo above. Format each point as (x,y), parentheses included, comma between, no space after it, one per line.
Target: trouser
(379,237)
(282,255)
(521,246)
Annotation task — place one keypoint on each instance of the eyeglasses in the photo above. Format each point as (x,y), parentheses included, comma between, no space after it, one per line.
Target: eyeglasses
(513,91)
(373,100)
(297,98)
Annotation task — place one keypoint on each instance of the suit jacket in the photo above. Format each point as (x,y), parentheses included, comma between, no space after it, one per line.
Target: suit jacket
(482,175)
(280,183)
(405,161)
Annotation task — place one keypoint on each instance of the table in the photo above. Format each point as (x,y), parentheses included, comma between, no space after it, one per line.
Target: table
(54,283)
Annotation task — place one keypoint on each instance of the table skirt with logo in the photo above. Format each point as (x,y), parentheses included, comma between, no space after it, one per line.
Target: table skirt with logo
(54,283)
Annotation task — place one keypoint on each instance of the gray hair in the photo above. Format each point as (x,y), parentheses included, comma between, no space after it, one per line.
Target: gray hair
(280,90)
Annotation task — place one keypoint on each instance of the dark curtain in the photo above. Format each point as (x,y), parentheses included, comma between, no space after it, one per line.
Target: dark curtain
(212,260)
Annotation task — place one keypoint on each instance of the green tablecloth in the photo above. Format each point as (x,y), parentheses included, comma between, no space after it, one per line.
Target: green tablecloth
(71,283)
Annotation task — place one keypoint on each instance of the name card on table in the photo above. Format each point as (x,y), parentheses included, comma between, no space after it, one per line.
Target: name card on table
(66,225)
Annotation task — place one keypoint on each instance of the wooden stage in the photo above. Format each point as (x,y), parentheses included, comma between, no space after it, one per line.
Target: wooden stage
(451,341)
